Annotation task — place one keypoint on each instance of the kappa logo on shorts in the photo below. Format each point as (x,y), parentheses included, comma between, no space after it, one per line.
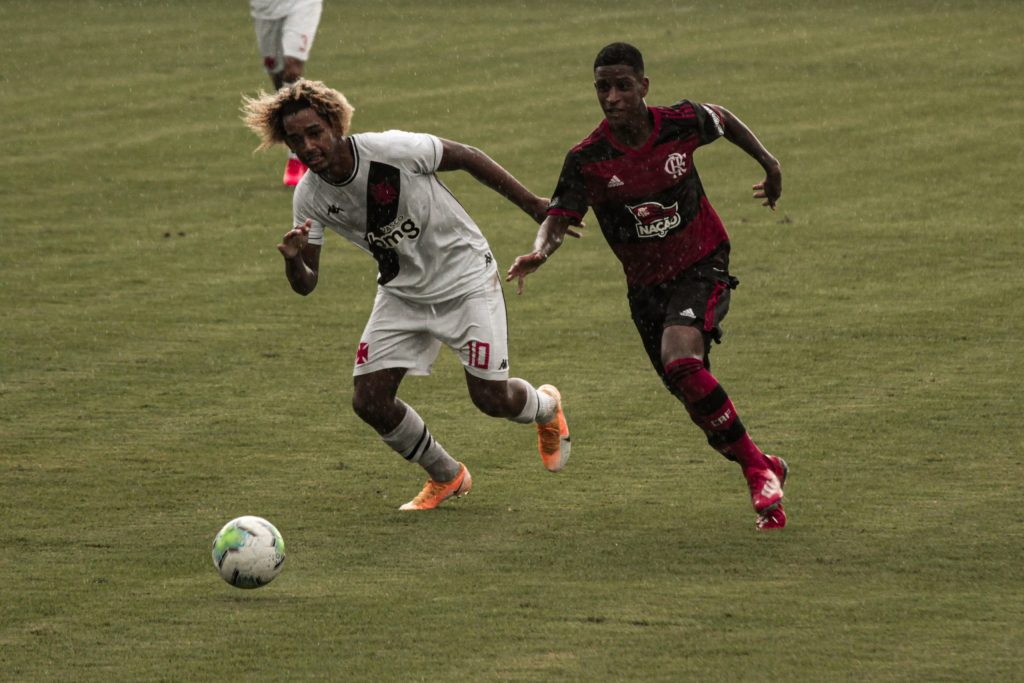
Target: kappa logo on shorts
(654,219)
(362,353)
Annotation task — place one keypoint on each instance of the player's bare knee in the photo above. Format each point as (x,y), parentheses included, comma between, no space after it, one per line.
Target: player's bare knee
(490,403)
(371,408)
(362,407)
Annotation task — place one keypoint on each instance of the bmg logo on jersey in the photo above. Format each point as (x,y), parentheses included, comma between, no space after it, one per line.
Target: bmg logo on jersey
(388,236)
(654,219)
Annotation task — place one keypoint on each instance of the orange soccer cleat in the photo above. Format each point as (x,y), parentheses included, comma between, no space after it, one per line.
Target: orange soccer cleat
(553,437)
(434,493)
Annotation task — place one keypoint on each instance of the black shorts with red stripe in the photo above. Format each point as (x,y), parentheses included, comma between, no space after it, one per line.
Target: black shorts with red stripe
(697,297)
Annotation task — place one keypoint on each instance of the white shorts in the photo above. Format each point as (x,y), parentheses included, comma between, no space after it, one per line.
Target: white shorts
(401,334)
(289,36)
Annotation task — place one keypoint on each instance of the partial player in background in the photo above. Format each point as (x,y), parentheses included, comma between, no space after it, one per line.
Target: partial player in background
(636,171)
(285,30)
(437,280)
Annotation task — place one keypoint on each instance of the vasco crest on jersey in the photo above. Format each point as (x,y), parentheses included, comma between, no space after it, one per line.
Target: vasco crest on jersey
(384,192)
(654,219)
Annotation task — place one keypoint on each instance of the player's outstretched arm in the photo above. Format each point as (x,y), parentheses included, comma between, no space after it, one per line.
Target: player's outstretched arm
(459,157)
(736,132)
(549,238)
(301,259)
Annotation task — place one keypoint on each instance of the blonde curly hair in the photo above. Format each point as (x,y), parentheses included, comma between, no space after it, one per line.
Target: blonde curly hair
(265,113)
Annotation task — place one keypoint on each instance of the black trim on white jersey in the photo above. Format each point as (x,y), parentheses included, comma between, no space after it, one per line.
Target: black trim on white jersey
(381,211)
(355,166)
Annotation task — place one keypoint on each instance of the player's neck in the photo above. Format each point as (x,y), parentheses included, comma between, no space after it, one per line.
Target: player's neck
(341,166)
(634,132)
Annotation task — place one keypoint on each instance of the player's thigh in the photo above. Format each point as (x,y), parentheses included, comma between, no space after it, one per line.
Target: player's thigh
(268,41)
(681,317)
(696,305)
(299,31)
(648,306)
(700,298)
(396,335)
(475,327)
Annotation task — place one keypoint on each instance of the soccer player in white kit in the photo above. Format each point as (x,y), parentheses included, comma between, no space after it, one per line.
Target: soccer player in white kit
(285,30)
(437,280)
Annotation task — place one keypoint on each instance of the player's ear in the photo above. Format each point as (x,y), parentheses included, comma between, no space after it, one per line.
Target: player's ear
(645,85)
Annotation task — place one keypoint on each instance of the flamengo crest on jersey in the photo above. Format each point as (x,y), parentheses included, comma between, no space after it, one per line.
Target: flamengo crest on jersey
(675,165)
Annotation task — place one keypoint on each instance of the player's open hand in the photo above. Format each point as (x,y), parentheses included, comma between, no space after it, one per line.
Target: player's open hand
(295,240)
(523,266)
(770,189)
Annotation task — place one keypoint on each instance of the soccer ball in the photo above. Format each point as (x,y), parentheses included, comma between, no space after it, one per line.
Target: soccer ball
(248,552)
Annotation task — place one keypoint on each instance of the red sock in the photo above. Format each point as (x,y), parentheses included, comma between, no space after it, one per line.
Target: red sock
(712,410)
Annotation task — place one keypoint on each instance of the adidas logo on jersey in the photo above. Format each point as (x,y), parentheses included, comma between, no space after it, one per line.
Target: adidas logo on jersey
(615,182)
(688,313)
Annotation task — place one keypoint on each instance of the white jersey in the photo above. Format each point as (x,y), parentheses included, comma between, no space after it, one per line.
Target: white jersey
(276,9)
(394,207)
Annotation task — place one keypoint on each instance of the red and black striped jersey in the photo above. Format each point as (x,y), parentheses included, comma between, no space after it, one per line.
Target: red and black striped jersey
(649,201)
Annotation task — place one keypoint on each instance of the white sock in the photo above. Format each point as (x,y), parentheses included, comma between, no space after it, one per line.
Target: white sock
(412,440)
(539,408)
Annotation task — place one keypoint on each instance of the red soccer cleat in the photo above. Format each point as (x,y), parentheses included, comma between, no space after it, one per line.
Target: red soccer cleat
(293,172)
(765,489)
(774,517)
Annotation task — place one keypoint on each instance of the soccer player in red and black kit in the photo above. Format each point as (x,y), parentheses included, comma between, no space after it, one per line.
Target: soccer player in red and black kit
(636,171)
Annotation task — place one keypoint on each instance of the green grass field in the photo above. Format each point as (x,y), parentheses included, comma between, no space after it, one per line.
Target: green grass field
(158,377)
